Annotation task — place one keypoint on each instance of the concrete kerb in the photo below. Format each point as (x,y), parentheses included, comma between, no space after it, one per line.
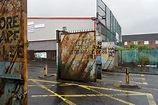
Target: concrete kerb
(131,86)
(117,71)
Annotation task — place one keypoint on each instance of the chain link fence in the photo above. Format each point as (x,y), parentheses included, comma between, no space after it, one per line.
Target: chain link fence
(107,24)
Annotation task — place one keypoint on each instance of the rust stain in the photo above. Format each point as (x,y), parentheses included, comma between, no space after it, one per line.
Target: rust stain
(14,93)
(2,86)
(76,50)
(12,46)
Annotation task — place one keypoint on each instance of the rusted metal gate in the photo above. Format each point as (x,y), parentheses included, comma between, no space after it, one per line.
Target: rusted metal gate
(13,52)
(76,59)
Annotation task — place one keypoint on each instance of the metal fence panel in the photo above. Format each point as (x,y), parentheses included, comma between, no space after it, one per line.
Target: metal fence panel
(107,23)
(13,51)
(147,57)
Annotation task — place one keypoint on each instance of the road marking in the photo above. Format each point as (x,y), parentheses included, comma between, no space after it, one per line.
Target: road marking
(150,88)
(138,78)
(107,95)
(87,95)
(113,80)
(96,87)
(151,99)
(45,81)
(149,96)
(64,99)
(144,83)
(37,85)
(143,79)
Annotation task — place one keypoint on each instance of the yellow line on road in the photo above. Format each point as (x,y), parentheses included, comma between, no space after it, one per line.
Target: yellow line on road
(36,85)
(149,96)
(143,79)
(95,87)
(64,99)
(144,83)
(117,90)
(113,80)
(110,96)
(39,80)
(87,95)
(151,99)
(151,89)
(137,78)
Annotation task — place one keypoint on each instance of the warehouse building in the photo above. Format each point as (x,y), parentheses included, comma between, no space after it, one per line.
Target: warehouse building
(42,30)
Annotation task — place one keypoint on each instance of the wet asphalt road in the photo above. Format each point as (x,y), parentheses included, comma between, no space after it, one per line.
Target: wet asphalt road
(48,91)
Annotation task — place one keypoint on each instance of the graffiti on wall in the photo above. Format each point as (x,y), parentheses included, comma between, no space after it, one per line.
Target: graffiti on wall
(108,55)
(77,56)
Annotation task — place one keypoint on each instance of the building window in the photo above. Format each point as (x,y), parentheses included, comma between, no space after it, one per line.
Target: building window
(146,42)
(156,41)
(135,42)
(125,43)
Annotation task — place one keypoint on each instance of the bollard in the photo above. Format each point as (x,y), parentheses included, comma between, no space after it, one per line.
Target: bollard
(45,70)
(127,76)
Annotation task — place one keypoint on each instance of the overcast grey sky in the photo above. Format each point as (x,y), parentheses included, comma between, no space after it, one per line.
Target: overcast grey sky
(134,16)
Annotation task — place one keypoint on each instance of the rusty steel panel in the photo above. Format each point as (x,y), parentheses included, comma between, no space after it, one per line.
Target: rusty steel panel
(77,56)
(13,52)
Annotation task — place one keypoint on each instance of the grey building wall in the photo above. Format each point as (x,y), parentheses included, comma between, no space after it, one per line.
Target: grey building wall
(45,28)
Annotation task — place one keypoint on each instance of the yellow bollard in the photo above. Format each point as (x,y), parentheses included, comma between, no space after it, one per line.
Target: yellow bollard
(127,76)
(45,70)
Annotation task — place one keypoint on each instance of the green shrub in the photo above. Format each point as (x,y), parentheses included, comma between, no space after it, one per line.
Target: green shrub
(144,61)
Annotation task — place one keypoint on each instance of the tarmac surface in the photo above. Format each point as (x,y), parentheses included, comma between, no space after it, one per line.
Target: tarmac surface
(49,91)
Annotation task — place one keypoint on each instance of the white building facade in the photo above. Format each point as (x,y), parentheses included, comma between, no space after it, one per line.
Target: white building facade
(42,33)
(40,29)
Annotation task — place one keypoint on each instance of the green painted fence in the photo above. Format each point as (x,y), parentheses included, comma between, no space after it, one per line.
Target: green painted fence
(143,57)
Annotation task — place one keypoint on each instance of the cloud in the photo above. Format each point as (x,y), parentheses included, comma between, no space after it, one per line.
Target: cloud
(61,8)
(134,16)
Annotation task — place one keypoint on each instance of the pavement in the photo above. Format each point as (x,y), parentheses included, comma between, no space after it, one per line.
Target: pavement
(149,70)
(49,91)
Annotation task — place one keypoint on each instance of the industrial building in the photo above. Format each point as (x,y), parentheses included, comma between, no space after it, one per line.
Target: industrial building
(42,30)
(150,39)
